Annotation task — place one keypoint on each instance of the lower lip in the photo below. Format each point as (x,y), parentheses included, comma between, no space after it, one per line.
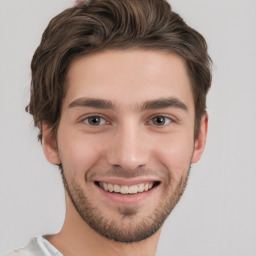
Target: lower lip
(127,199)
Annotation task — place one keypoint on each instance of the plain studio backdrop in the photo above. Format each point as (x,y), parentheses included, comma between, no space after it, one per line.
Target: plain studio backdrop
(217,214)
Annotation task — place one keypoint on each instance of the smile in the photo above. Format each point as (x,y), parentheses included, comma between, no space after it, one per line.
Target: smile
(123,189)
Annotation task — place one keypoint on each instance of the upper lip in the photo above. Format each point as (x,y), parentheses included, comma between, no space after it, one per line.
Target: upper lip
(127,182)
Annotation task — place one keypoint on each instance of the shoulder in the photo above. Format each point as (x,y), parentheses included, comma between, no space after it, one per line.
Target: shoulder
(32,249)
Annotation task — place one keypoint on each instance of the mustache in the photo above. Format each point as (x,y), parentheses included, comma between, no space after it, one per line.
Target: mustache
(120,172)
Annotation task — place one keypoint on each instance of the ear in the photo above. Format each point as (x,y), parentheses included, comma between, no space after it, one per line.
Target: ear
(50,145)
(201,139)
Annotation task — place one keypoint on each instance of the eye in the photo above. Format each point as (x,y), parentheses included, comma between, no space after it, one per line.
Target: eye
(160,121)
(95,120)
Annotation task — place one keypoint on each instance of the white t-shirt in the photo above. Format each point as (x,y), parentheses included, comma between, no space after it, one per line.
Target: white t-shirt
(38,246)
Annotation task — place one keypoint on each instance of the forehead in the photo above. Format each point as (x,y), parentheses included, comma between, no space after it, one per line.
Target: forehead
(128,77)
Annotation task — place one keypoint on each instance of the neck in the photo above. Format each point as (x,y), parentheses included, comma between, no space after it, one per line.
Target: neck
(77,238)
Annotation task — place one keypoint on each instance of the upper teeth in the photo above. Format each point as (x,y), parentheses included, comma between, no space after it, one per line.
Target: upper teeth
(126,189)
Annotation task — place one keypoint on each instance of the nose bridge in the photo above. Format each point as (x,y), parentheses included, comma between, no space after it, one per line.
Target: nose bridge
(128,148)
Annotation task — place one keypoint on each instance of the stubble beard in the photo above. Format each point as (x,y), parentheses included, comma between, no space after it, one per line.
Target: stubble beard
(139,229)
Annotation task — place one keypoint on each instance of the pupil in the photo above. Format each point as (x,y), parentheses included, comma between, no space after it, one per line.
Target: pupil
(159,120)
(94,120)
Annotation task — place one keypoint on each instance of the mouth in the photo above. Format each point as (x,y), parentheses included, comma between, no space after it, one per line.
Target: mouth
(127,190)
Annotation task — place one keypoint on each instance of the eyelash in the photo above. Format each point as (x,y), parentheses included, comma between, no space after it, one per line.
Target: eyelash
(170,120)
(94,116)
(150,122)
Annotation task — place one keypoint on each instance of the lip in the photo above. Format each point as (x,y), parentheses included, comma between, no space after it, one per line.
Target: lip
(127,198)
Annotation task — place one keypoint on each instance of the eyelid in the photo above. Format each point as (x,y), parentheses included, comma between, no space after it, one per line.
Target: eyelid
(167,116)
(82,120)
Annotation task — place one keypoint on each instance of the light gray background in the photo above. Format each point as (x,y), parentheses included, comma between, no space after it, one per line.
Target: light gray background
(217,214)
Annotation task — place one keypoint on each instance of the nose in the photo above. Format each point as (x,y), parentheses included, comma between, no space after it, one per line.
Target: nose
(129,148)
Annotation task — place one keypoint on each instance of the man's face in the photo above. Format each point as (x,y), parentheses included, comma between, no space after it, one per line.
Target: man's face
(126,139)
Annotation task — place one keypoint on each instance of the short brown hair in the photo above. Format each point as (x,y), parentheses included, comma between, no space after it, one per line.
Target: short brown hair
(112,24)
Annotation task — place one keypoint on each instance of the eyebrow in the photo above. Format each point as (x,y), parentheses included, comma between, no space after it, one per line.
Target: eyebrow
(93,103)
(163,103)
(147,105)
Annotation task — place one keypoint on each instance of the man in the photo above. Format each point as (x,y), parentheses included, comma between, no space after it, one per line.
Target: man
(118,93)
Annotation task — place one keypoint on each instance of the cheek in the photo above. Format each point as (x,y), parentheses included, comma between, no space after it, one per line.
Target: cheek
(175,154)
(78,153)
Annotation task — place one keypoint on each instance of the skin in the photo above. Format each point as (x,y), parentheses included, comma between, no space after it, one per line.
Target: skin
(128,147)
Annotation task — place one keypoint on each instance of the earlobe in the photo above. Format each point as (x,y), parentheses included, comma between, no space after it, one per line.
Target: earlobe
(201,139)
(50,145)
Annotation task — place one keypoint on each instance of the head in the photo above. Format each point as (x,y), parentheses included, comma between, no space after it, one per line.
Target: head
(84,52)
(89,28)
